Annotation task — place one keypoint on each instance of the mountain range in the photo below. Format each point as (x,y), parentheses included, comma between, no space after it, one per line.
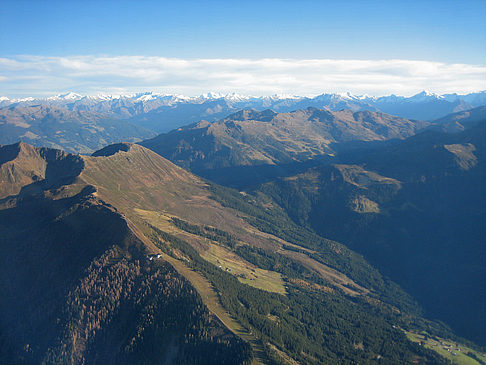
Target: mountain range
(136,115)
(354,236)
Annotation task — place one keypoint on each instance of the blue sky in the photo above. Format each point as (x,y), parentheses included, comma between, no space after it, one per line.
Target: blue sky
(57,33)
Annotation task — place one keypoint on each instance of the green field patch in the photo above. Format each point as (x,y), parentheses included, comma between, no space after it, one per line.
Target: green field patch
(246,272)
(457,353)
(157,219)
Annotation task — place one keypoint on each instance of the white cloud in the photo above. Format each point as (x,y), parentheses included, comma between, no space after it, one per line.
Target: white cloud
(37,75)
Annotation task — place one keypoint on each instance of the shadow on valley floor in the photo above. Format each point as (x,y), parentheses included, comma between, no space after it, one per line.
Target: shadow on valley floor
(247,177)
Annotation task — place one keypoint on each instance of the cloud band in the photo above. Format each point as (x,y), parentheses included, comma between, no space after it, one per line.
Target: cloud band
(23,76)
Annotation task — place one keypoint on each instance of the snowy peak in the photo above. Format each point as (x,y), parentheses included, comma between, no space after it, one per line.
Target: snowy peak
(425,96)
(146,97)
(229,97)
(212,95)
(68,96)
(345,96)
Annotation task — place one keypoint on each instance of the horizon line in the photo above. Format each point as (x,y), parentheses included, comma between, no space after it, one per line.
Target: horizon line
(221,95)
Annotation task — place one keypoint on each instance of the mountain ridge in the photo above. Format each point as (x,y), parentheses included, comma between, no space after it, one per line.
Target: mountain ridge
(266,138)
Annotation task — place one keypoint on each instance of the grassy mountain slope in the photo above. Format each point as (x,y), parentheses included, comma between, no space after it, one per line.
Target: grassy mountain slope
(76,283)
(294,295)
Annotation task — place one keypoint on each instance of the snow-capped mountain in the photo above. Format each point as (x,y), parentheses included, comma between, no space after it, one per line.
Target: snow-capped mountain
(424,96)
(90,120)
(68,96)
(162,112)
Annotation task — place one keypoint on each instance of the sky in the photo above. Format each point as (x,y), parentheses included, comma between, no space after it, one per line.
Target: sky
(248,47)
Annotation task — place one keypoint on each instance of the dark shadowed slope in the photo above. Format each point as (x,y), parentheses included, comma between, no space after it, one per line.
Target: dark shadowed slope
(416,210)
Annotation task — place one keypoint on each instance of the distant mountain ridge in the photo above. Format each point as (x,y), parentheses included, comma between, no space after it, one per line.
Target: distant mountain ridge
(267,138)
(131,105)
(136,115)
(54,126)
